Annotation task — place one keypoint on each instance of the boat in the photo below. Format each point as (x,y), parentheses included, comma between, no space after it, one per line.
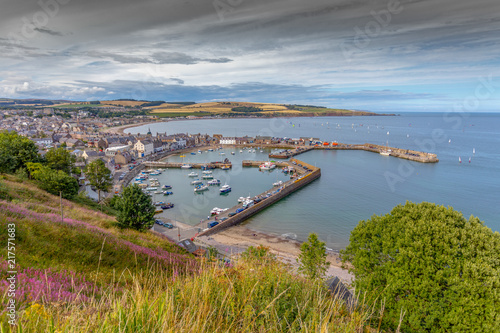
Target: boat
(186,166)
(459,159)
(201,188)
(167,206)
(167,193)
(159,203)
(207,177)
(210,149)
(222,153)
(151,188)
(217,211)
(243,199)
(155,173)
(207,172)
(278,183)
(225,167)
(214,182)
(469,159)
(153,179)
(232,153)
(196,182)
(225,189)
(158,192)
(193,174)
(267,166)
(385,152)
(193,153)
(473,151)
(199,151)
(241,151)
(248,203)
(158,211)
(166,187)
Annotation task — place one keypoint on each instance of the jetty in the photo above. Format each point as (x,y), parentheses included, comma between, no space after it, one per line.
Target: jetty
(210,165)
(407,154)
(306,174)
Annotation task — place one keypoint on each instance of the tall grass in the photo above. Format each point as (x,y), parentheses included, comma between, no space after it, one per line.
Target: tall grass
(249,297)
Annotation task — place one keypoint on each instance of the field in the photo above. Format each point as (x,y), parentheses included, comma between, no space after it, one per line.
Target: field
(225,108)
(123,103)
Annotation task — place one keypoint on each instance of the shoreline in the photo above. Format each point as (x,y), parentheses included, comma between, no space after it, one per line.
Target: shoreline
(238,238)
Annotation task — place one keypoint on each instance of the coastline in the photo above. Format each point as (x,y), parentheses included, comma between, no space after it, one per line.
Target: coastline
(122,128)
(238,238)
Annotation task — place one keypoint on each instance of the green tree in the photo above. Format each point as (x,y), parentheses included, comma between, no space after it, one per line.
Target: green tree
(98,176)
(429,262)
(53,181)
(312,258)
(16,151)
(136,210)
(60,159)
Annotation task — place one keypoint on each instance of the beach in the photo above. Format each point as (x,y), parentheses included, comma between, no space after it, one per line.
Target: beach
(238,238)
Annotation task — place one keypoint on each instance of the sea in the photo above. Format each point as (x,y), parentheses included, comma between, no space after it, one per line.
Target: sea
(354,185)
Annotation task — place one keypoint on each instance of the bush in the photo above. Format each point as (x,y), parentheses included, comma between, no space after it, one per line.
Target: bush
(430,262)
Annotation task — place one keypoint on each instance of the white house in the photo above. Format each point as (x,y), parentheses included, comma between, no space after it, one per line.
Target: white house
(228,141)
(144,148)
(111,151)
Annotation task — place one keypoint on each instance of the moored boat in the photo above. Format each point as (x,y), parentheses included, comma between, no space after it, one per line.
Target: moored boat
(196,182)
(201,188)
(225,189)
(193,174)
(214,182)
(267,166)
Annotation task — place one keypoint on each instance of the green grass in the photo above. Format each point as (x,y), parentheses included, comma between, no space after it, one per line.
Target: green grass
(128,281)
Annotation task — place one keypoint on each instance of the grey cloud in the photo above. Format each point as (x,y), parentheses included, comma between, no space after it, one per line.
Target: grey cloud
(157,58)
(48,32)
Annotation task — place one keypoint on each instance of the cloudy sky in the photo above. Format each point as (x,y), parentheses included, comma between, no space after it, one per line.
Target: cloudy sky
(407,55)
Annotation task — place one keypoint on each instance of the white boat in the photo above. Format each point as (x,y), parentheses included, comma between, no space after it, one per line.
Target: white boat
(151,188)
(199,151)
(158,192)
(278,183)
(214,182)
(267,166)
(248,203)
(222,153)
(385,152)
(196,182)
(243,199)
(207,172)
(225,189)
(186,166)
(232,153)
(241,151)
(201,188)
(193,174)
(210,149)
(207,177)
(153,179)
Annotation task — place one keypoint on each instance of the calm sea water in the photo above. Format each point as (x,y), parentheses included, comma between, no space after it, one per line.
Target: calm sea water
(355,184)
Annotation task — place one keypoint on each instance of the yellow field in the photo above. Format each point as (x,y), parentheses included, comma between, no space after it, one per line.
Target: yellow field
(123,103)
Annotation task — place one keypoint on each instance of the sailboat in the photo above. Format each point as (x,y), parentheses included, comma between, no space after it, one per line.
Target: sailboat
(386,151)
(469,159)
(473,151)
(459,159)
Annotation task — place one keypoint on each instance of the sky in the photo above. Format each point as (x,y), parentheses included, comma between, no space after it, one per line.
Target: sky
(397,56)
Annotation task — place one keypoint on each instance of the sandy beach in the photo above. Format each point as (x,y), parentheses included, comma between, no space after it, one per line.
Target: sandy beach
(121,129)
(236,239)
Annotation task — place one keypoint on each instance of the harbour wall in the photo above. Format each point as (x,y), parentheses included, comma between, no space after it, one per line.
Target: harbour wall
(289,187)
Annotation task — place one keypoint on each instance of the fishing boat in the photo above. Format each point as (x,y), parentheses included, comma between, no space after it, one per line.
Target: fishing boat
(201,188)
(196,182)
(267,166)
(214,182)
(186,166)
(167,206)
(225,189)
(225,167)
(193,174)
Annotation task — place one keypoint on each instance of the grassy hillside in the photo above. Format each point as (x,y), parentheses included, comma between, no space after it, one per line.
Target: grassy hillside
(264,110)
(84,275)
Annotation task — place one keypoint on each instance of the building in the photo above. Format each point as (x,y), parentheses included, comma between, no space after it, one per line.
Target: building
(123,158)
(144,147)
(228,141)
(112,151)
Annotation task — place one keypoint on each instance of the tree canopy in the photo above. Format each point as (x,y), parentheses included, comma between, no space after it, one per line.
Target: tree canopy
(312,258)
(98,176)
(60,159)
(136,210)
(440,269)
(16,151)
(53,181)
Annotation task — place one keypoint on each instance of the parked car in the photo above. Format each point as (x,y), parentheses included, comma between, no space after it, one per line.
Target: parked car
(168,225)
(160,222)
(231,214)
(239,210)
(212,224)
(223,219)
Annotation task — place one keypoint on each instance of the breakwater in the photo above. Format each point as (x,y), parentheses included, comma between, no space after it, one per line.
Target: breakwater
(304,178)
